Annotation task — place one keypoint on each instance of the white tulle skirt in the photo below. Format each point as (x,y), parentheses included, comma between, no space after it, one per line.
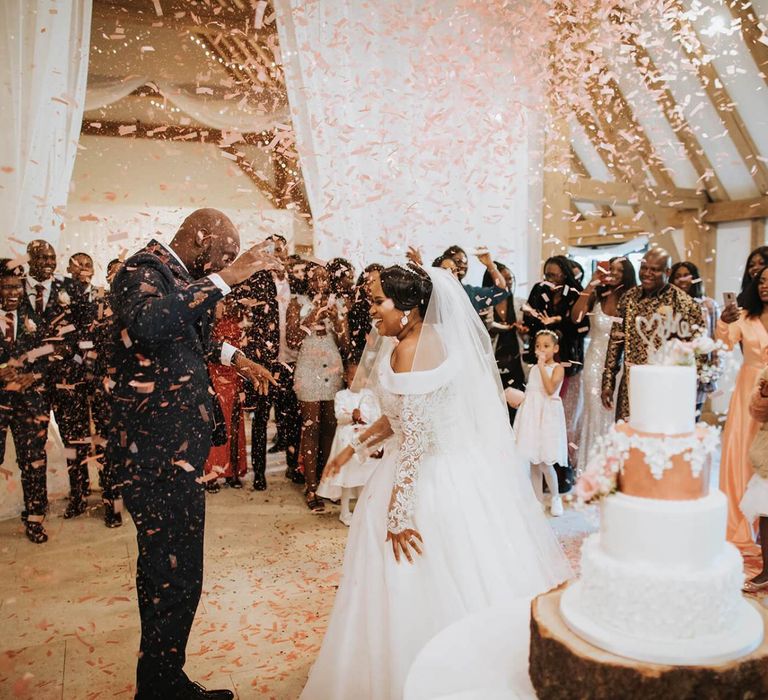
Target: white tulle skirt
(754,502)
(476,553)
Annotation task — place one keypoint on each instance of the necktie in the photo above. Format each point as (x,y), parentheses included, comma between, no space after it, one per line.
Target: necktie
(39,289)
(10,336)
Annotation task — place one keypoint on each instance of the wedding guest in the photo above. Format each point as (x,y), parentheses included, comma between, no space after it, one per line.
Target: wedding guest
(549,307)
(504,329)
(540,423)
(355,411)
(360,313)
(747,327)
(58,304)
(163,423)
(756,262)
(627,345)
(228,460)
(80,269)
(447,263)
(265,299)
(480,297)
(685,276)
(599,301)
(754,504)
(318,329)
(341,282)
(24,408)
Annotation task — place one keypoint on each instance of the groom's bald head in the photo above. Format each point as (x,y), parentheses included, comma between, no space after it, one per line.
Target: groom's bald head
(207,241)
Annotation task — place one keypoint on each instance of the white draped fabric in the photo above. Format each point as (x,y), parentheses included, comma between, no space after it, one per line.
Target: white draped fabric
(44,61)
(415,123)
(218,114)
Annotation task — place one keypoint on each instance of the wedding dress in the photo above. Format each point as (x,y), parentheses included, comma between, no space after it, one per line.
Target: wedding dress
(451,472)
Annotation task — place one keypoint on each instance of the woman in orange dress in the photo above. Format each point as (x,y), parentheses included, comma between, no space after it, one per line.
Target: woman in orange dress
(228,460)
(750,328)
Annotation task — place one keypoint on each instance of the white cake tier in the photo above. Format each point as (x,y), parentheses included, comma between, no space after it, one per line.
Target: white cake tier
(662,615)
(662,399)
(675,536)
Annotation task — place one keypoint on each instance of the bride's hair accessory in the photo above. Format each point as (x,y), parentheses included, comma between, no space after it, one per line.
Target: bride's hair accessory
(409,288)
(547,331)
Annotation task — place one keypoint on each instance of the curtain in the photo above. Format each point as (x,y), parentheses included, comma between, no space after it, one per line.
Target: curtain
(415,121)
(44,60)
(105,91)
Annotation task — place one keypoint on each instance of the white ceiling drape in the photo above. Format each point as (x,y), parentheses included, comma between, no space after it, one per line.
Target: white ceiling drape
(44,63)
(415,123)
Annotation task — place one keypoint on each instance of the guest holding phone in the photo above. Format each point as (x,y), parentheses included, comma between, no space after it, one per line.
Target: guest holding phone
(318,329)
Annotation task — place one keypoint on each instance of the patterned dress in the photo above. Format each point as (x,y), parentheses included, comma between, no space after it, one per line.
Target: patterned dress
(627,344)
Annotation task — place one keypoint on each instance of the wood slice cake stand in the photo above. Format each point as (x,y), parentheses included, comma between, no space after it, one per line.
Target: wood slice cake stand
(563,666)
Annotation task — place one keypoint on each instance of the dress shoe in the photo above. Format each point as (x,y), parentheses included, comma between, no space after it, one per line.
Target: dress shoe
(260,483)
(75,507)
(112,519)
(195,691)
(295,476)
(234,482)
(212,486)
(556,506)
(36,532)
(752,587)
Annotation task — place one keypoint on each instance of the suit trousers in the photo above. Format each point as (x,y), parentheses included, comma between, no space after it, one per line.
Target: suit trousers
(287,415)
(167,505)
(27,416)
(101,410)
(70,408)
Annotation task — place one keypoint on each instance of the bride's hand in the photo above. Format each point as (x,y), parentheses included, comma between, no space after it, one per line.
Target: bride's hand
(404,542)
(333,467)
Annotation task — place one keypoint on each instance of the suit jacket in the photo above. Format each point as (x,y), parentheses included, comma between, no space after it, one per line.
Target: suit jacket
(29,336)
(57,327)
(160,347)
(258,296)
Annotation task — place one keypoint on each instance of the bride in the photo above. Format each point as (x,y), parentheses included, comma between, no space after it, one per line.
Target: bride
(448,524)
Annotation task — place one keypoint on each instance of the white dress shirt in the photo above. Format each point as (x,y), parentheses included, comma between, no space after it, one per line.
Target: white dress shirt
(227,350)
(4,322)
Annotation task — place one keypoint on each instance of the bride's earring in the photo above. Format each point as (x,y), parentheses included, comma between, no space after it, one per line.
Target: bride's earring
(404,319)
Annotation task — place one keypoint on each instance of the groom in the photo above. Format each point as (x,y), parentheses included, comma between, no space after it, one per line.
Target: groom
(163,417)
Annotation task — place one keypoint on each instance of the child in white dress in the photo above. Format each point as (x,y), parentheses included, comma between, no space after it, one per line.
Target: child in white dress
(540,428)
(355,412)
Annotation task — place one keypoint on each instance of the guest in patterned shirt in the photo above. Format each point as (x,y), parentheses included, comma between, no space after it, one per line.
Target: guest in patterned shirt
(654,295)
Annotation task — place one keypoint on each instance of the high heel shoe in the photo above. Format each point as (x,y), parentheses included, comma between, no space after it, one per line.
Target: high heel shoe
(752,587)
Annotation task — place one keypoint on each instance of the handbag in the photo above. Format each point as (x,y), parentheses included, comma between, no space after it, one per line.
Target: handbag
(758,452)
(219,423)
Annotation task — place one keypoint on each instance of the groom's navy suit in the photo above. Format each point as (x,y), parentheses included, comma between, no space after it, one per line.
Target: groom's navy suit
(159,440)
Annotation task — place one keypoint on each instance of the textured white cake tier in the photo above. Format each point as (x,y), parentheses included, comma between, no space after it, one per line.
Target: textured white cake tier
(676,536)
(656,603)
(662,399)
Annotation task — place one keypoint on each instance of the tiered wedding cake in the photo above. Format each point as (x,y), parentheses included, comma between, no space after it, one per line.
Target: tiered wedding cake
(659,583)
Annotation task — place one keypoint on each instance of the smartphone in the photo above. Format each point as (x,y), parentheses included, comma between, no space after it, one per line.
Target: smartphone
(482,250)
(604,266)
(729,298)
(270,248)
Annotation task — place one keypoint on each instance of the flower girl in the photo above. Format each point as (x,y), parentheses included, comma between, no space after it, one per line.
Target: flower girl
(355,411)
(540,423)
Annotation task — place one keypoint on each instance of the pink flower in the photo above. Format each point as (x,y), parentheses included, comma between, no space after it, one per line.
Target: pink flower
(587,487)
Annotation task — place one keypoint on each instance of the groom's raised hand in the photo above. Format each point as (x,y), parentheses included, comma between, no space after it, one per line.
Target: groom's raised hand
(253,260)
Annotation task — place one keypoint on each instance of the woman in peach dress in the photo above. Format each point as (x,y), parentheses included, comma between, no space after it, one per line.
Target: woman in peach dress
(750,328)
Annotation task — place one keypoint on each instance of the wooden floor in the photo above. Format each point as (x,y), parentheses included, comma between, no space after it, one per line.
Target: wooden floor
(69,624)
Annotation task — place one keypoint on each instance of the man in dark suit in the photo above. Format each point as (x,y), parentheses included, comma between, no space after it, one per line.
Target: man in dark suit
(266,296)
(57,303)
(23,404)
(162,422)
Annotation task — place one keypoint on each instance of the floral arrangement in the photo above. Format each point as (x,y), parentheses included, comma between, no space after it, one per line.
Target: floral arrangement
(600,477)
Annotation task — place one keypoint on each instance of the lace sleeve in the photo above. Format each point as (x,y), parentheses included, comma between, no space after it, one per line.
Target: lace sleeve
(414,416)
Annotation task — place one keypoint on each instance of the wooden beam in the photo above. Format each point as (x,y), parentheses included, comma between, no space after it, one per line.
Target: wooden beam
(698,246)
(583,189)
(753,32)
(581,241)
(676,119)
(720,98)
(736,210)
(607,227)
(756,233)
(578,167)
(556,210)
